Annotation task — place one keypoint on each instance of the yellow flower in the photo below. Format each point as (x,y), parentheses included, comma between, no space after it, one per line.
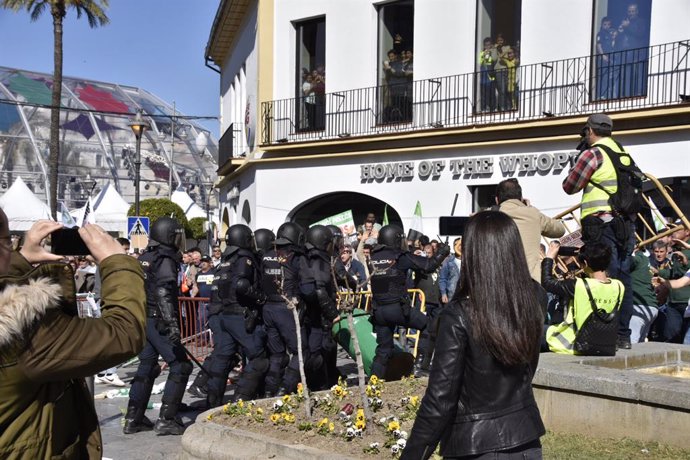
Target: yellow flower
(290,418)
(378,393)
(414,400)
(286,398)
(322,422)
(360,413)
(240,403)
(300,388)
(394,425)
(275,418)
(331,426)
(373,380)
(209,417)
(259,411)
(360,424)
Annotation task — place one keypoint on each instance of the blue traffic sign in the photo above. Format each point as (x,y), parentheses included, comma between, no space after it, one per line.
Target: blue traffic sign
(137,226)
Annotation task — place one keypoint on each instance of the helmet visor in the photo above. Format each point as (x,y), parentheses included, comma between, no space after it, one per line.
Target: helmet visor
(180,240)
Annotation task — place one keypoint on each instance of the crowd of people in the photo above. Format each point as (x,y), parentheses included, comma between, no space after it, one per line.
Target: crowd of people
(398,76)
(313,98)
(482,326)
(622,55)
(499,81)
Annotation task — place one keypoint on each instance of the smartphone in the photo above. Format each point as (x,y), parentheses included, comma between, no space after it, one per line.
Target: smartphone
(568,251)
(452,225)
(68,242)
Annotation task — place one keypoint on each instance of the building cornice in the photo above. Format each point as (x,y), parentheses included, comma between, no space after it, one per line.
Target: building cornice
(226,25)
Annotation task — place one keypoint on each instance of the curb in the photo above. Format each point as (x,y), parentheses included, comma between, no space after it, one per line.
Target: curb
(208,440)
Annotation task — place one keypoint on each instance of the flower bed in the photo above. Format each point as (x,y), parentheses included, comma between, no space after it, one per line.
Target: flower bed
(338,422)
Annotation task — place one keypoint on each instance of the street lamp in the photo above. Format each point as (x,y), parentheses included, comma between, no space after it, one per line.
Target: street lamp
(139,126)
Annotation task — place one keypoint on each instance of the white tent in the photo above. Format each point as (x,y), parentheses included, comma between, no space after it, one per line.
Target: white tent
(22,207)
(190,208)
(109,210)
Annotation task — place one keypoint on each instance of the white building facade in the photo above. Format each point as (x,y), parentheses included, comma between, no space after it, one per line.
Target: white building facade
(316,123)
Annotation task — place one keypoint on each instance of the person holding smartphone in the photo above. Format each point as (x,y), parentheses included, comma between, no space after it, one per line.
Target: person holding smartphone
(46,351)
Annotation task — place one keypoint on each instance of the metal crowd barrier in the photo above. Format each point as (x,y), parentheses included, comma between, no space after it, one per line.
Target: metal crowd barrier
(196,335)
(362,299)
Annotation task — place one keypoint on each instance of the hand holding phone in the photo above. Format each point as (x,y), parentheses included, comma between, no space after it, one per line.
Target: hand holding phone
(100,244)
(33,250)
(67,242)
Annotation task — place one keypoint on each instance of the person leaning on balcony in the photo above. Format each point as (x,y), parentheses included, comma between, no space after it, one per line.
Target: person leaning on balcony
(479,401)
(594,172)
(46,410)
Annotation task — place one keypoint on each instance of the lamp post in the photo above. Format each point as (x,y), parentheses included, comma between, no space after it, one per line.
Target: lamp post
(139,126)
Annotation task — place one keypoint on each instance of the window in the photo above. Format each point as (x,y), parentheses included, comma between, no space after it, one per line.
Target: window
(498,55)
(620,47)
(310,90)
(395,58)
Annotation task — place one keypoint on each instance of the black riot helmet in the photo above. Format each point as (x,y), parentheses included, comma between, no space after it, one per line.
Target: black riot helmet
(290,233)
(337,236)
(239,236)
(264,239)
(320,237)
(168,232)
(392,236)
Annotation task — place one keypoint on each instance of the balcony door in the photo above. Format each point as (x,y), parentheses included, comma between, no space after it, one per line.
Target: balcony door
(310,88)
(395,61)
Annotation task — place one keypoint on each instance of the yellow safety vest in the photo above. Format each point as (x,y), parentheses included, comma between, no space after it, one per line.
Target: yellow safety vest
(607,295)
(594,199)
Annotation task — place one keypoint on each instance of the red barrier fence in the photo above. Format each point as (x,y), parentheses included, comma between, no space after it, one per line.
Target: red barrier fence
(196,336)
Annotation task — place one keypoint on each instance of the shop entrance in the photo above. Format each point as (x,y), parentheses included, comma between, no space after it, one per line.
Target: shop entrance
(323,206)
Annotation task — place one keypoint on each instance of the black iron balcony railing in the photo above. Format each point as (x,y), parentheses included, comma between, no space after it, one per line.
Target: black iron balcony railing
(232,144)
(625,80)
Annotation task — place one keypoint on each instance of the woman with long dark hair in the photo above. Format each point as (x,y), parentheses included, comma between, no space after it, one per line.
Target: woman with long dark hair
(479,402)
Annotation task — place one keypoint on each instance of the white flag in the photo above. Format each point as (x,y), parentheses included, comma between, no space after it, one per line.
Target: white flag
(657,218)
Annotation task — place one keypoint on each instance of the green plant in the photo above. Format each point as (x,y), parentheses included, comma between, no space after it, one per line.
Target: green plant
(196,226)
(155,208)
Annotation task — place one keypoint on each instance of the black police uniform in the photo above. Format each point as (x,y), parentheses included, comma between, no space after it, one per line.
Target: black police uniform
(318,291)
(282,268)
(160,264)
(390,298)
(235,300)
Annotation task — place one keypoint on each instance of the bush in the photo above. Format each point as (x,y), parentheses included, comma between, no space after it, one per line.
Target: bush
(196,226)
(155,208)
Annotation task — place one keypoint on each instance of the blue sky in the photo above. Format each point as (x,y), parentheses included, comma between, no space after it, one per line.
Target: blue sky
(157,45)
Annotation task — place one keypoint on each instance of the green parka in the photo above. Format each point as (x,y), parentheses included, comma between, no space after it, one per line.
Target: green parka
(46,410)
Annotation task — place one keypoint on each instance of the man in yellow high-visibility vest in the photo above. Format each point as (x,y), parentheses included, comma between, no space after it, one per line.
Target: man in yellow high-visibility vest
(594,173)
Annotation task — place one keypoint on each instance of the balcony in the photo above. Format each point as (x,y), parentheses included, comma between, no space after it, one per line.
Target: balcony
(658,76)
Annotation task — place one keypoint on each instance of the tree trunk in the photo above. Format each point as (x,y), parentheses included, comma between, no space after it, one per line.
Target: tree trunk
(303,376)
(54,158)
(361,379)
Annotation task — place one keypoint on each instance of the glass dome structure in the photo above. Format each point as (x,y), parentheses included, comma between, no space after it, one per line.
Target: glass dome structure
(96,142)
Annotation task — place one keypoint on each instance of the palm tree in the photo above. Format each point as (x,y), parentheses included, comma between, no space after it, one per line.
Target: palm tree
(94,10)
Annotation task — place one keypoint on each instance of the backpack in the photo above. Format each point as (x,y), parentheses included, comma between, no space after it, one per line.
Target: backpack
(627,199)
(598,334)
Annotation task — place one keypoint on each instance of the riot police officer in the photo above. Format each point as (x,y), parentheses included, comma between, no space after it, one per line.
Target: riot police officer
(280,281)
(264,239)
(160,263)
(318,291)
(390,262)
(235,300)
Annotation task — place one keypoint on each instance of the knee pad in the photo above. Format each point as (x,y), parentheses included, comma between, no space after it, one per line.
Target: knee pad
(260,365)
(181,369)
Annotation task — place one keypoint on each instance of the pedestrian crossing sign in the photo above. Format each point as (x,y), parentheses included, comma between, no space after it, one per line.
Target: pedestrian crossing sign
(138,231)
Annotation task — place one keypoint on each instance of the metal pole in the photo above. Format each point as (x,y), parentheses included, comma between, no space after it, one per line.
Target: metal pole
(208,219)
(172,152)
(137,166)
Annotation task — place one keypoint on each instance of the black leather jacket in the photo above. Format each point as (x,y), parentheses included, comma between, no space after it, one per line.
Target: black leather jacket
(473,403)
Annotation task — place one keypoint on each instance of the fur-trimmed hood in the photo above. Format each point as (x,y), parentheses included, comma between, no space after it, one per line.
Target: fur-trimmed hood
(22,305)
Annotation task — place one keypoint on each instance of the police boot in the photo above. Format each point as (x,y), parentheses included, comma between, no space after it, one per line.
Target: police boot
(168,423)
(214,399)
(135,420)
(198,386)
(420,369)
